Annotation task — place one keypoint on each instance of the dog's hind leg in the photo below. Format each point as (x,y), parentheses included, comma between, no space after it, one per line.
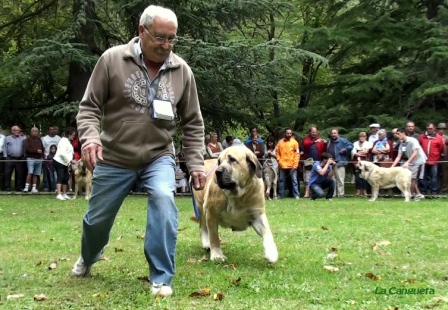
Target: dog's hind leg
(268,190)
(406,190)
(261,226)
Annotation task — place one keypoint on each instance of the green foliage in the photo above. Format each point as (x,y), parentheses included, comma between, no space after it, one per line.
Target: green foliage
(259,63)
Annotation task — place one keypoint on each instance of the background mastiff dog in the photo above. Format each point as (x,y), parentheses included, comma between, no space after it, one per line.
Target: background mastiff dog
(83,179)
(233,197)
(379,177)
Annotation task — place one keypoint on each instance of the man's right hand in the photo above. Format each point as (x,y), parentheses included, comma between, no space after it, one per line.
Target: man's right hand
(90,153)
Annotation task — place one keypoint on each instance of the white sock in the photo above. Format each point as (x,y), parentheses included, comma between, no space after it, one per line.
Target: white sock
(27,185)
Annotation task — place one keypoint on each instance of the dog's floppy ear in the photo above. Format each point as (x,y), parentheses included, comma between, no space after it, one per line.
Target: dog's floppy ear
(254,166)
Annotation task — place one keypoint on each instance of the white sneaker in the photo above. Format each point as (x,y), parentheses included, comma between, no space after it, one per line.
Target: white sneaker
(161,290)
(34,190)
(66,197)
(26,189)
(419,196)
(60,197)
(80,269)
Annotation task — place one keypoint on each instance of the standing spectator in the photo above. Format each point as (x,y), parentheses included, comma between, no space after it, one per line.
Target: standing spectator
(374,128)
(410,130)
(61,161)
(34,153)
(443,166)
(253,134)
(13,150)
(361,150)
(206,142)
(270,153)
(313,147)
(50,139)
(227,142)
(416,159)
(162,76)
(257,148)
(381,148)
(287,153)
(74,164)
(181,177)
(433,146)
(214,148)
(50,173)
(2,157)
(322,177)
(340,150)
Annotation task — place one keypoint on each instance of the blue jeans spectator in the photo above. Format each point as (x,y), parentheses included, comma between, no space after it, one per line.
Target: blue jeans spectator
(288,173)
(430,181)
(317,189)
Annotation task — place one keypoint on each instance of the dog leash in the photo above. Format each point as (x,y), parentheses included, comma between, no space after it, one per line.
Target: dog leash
(195,205)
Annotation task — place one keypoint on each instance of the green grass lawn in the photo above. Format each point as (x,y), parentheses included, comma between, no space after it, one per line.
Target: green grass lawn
(401,246)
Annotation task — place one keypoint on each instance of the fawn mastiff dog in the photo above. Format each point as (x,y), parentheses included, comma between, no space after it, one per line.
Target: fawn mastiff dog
(379,177)
(83,179)
(233,197)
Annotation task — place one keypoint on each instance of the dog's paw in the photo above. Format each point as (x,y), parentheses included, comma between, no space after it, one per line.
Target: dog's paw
(271,254)
(371,199)
(217,256)
(86,198)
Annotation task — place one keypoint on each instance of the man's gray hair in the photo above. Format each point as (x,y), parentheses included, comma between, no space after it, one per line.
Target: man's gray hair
(382,132)
(152,11)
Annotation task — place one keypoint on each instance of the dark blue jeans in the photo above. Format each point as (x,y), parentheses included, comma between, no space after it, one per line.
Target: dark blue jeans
(430,181)
(317,189)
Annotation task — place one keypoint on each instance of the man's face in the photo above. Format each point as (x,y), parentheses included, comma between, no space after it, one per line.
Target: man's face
(410,127)
(52,131)
(313,133)
(374,130)
(441,131)
(401,136)
(16,131)
(431,129)
(254,132)
(334,134)
(288,134)
(152,37)
(34,132)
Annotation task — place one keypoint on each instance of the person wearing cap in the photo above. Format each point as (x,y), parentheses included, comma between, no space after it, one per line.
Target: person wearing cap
(373,132)
(443,165)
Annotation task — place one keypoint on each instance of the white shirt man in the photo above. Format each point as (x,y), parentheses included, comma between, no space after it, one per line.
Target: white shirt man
(50,139)
(373,132)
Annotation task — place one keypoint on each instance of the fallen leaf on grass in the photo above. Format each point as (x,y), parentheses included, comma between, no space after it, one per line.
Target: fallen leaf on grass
(192,261)
(381,243)
(439,299)
(373,277)
(200,293)
(52,266)
(40,297)
(104,258)
(410,281)
(64,259)
(236,281)
(204,259)
(52,239)
(40,263)
(100,295)
(15,296)
(405,267)
(14,213)
(119,237)
(181,228)
(219,296)
(324,228)
(333,254)
(233,266)
(140,236)
(118,250)
(331,268)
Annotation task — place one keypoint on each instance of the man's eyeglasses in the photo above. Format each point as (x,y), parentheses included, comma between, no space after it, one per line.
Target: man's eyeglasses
(162,40)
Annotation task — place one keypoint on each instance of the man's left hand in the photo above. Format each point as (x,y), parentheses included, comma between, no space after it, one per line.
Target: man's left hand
(198,179)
